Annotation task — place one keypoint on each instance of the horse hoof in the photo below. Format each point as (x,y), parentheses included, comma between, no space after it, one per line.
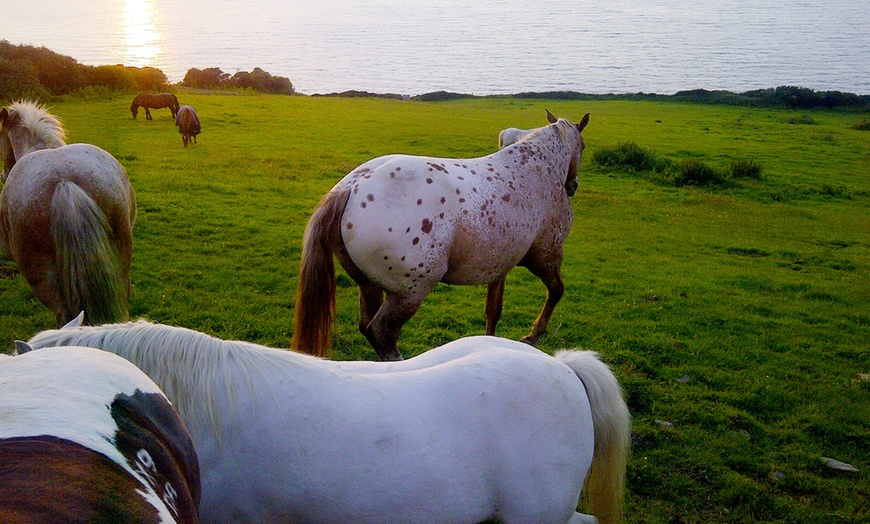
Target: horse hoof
(529,341)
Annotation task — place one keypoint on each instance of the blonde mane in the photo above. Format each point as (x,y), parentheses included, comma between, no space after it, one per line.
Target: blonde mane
(41,124)
(208,364)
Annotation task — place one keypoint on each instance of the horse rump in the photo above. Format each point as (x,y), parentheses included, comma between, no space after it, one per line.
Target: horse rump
(188,124)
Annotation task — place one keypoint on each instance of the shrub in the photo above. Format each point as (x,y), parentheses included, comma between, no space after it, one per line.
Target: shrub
(627,156)
(745,169)
(694,172)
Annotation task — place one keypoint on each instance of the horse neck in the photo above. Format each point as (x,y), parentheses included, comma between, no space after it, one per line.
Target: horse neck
(557,143)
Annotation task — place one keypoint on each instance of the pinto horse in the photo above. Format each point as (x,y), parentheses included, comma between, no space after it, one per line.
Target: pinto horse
(154,101)
(66,217)
(188,124)
(85,436)
(480,428)
(400,224)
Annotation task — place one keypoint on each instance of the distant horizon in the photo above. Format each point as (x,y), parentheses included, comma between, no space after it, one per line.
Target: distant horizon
(489,48)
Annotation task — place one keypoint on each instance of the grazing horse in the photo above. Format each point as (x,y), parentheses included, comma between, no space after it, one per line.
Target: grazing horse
(66,217)
(188,124)
(151,101)
(400,224)
(85,436)
(480,428)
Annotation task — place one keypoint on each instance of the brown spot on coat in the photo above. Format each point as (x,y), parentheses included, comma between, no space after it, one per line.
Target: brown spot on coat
(427,226)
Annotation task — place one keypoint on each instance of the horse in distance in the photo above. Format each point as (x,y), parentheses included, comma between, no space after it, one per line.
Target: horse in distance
(86,437)
(66,217)
(479,428)
(399,224)
(188,124)
(150,101)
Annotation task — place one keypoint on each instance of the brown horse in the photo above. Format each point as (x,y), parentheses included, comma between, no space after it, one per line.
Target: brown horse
(66,217)
(188,124)
(400,224)
(152,101)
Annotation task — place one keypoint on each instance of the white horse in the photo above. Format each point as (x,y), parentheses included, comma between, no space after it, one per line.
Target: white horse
(511,135)
(477,429)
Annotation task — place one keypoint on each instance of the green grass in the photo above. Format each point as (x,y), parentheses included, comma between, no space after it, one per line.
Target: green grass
(735,315)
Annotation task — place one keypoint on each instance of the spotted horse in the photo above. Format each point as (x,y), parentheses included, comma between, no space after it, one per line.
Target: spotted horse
(85,436)
(400,224)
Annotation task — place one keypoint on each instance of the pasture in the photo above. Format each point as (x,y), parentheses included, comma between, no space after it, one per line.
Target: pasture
(735,316)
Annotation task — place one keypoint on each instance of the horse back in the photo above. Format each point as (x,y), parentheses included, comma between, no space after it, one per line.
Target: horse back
(478,217)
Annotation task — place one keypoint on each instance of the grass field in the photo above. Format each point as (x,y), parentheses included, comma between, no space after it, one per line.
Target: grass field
(736,316)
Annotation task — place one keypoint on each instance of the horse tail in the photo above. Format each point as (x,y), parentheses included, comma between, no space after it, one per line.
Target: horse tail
(89,275)
(603,492)
(174,106)
(315,295)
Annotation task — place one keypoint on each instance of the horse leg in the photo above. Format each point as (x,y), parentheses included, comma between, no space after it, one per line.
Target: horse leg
(39,273)
(383,331)
(371,297)
(494,301)
(148,114)
(550,274)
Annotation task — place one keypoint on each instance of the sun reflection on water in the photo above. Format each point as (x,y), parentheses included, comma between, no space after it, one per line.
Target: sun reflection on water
(140,34)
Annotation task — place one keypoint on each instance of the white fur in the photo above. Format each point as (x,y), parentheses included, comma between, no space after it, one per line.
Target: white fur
(478,428)
(511,135)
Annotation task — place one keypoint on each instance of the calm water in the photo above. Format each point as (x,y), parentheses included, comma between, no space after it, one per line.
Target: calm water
(481,47)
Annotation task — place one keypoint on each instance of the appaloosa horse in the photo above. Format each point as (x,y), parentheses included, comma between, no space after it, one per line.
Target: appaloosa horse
(154,101)
(85,436)
(400,224)
(66,217)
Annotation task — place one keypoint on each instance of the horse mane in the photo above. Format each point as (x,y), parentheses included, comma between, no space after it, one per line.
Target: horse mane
(42,125)
(190,367)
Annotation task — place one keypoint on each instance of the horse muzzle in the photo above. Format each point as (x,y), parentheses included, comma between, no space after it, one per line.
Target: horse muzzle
(571,187)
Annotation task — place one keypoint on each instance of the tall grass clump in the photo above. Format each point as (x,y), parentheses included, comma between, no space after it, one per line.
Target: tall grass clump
(745,170)
(863,125)
(694,172)
(626,156)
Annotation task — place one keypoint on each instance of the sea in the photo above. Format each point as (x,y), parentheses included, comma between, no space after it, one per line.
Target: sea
(480,47)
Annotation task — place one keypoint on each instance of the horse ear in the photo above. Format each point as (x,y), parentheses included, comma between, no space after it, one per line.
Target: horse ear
(22,347)
(76,322)
(550,118)
(583,123)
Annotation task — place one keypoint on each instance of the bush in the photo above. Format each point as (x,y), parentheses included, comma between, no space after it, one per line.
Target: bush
(111,77)
(257,80)
(745,169)
(694,172)
(627,156)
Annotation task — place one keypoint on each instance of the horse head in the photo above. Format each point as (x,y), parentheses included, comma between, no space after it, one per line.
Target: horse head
(579,146)
(7,154)
(26,127)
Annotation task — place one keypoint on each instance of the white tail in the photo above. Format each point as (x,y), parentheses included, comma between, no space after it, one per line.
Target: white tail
(604,490)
